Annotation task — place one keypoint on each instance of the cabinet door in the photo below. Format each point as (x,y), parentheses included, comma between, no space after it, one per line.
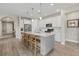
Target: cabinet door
(57,35)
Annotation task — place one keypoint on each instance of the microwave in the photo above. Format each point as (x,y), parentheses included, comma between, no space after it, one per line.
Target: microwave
(49,25)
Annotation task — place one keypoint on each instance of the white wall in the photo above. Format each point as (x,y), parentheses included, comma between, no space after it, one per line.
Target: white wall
(72,34)
(27,21)
(63,28)
(35,25)
(0,28)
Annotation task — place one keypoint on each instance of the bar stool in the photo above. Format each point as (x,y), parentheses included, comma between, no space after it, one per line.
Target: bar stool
(23,37)
(35,44)
(29,41)
(26,39)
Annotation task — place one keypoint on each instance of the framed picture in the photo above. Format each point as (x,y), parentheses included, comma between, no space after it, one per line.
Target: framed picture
(73,23)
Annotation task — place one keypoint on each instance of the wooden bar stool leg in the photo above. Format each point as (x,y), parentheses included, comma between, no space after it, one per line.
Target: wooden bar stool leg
(35,47)
(31,44)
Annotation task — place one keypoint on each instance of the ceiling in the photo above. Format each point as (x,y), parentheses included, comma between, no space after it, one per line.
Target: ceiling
(31,9)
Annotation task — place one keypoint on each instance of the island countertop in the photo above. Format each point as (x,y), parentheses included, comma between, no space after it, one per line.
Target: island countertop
(43,34)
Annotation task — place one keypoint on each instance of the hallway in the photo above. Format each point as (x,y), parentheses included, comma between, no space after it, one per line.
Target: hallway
(13,47)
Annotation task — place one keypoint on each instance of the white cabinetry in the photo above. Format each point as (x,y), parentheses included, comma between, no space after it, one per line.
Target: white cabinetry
(35,25)
(57,32)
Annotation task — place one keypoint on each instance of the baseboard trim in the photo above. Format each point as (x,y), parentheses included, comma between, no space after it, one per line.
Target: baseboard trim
(72,41)
(63,43)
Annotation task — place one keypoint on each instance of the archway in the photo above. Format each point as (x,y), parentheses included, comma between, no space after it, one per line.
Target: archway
(7,27)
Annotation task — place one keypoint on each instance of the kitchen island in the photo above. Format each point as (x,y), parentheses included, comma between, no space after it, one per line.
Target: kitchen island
(46,41)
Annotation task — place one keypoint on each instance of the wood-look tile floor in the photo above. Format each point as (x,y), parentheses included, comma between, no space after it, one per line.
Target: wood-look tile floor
(13,47)
(70,49)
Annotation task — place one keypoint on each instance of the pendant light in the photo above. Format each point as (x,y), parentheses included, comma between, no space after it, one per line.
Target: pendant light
(40,11)
(32,14)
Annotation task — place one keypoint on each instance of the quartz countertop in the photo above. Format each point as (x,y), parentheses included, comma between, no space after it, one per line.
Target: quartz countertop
(43,34)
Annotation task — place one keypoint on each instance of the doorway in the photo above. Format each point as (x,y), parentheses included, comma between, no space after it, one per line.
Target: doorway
(7,27)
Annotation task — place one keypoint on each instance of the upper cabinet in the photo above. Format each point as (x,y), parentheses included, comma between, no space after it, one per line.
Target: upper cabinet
(55,21)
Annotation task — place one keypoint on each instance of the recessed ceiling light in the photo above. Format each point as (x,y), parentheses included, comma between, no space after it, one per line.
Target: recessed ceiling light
(40,18)
(32,20)
(51,4)
(38,11)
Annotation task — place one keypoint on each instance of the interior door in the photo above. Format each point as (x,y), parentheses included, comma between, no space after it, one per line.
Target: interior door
(8,29)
